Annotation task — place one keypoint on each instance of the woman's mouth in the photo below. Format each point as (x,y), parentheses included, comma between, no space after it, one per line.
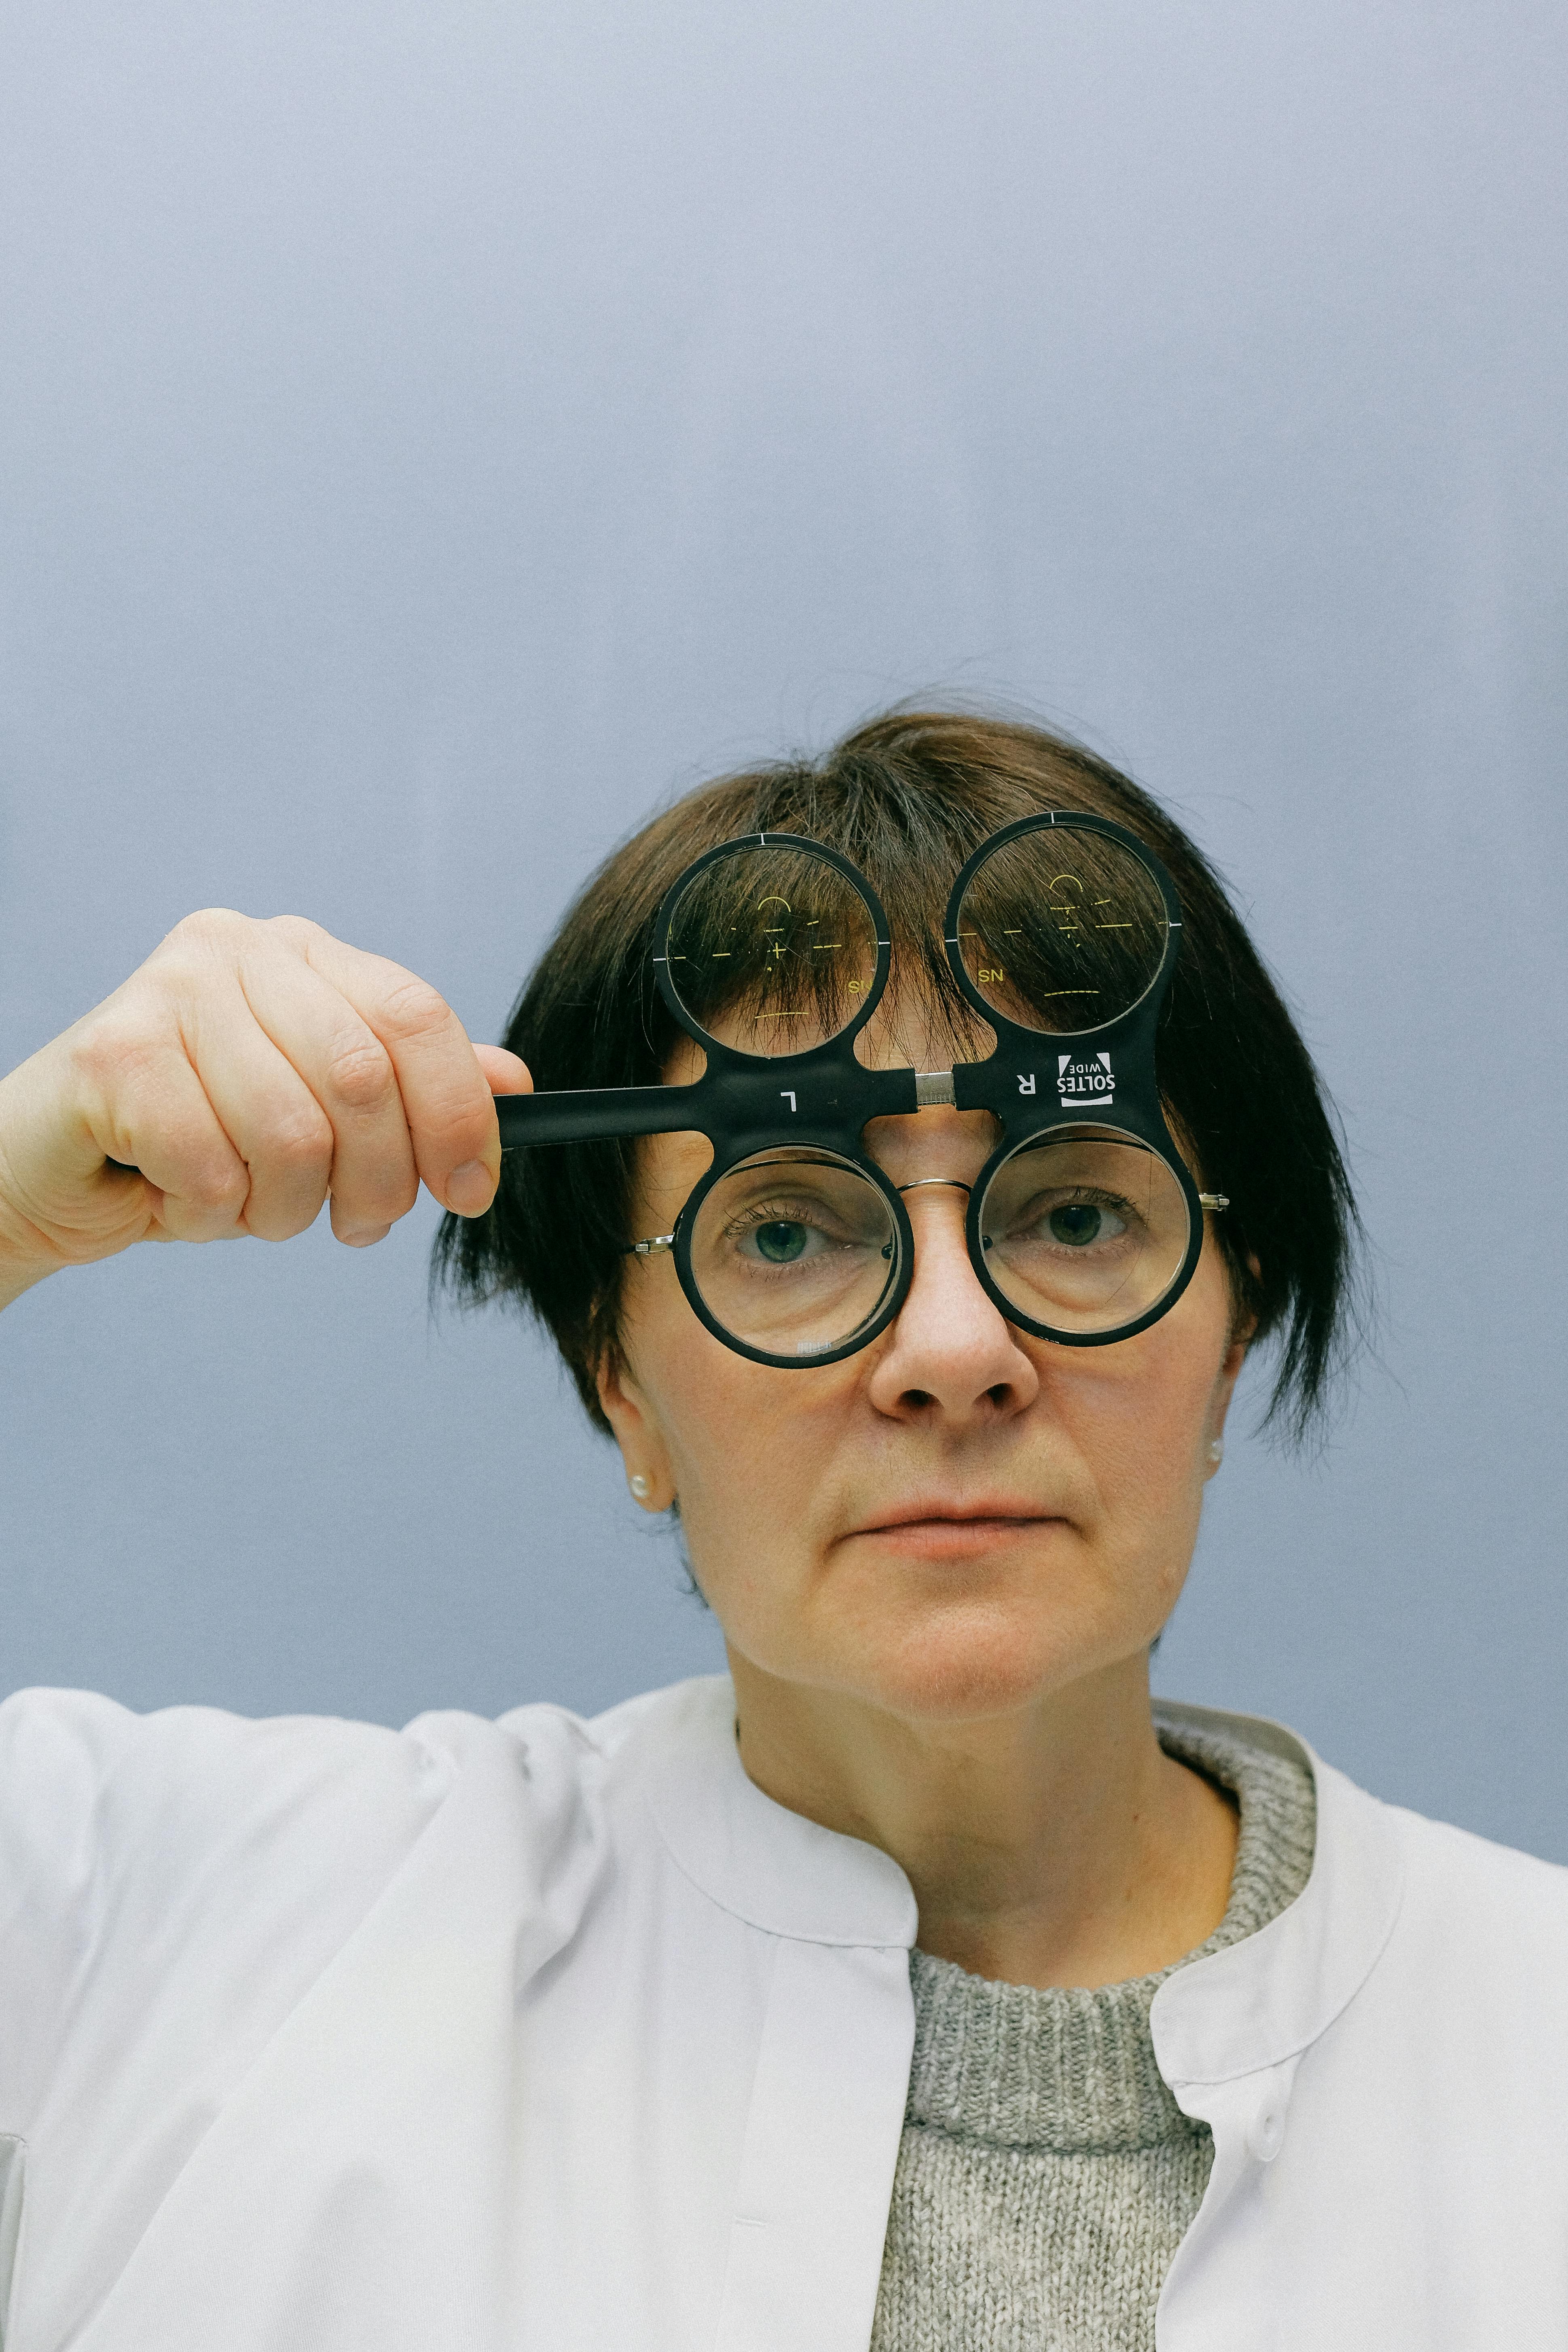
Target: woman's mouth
(945,1527)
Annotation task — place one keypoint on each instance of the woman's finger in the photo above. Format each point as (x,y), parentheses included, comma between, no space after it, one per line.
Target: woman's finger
(505,1073)
(348,1078)
(448,1107)
(267,1109)
(141,1103)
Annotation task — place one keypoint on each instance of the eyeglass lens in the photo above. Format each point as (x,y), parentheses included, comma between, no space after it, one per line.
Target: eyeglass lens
(794,1251)
(1084,1232)
(1061,930)
(773,951)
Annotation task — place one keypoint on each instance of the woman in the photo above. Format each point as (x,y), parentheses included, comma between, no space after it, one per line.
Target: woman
(916,1984)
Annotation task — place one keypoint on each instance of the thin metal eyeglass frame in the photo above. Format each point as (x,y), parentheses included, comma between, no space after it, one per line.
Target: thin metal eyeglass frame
(657,1242)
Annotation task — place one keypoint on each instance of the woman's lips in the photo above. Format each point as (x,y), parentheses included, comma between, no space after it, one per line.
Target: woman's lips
(957,1527)
(920,1507)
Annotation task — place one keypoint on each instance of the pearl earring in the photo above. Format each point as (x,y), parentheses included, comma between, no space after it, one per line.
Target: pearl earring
(1216,1451)
(640,1487)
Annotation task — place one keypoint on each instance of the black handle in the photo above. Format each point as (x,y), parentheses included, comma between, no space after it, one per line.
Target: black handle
(596,1113)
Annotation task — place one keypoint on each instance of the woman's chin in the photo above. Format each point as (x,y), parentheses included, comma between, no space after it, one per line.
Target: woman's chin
(990,1666)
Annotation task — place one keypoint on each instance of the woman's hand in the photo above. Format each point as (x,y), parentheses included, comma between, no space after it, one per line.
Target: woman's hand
(246,1073)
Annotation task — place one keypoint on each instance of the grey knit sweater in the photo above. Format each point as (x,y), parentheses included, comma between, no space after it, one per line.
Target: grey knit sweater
(1046,2175)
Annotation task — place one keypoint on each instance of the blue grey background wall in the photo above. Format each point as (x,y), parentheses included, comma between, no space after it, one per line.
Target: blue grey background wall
(436,434)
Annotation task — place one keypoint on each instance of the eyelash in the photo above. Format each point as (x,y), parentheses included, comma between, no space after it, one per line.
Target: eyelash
(768,1213)
(1087,1196)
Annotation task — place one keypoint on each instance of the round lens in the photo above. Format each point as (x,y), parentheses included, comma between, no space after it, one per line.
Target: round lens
(795,1252)
(1061,930)
(1086,1233)
(771,950)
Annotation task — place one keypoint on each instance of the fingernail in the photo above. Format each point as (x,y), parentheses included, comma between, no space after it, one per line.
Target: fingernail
(366,1235)
(468,1188)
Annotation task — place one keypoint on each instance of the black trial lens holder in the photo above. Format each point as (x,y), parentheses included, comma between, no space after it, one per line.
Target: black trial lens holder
(1061,932)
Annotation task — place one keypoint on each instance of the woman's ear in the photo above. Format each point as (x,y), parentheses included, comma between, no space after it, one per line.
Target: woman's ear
(636,1433)
(1229,1373)
(1243,1327)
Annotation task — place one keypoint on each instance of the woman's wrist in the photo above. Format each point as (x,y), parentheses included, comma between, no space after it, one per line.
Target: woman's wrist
(13,1284)
(23,1261)
(27,1254)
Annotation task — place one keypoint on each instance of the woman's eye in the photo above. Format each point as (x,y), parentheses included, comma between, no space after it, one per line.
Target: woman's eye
(779,1241)
(806,1232)
(1077,1222)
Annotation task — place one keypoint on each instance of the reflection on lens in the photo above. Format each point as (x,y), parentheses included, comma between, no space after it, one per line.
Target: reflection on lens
(1084,1234)
(771,950)
(794,1253)
(1061,930)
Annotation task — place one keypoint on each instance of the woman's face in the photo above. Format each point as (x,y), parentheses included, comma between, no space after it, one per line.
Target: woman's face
(961,1518)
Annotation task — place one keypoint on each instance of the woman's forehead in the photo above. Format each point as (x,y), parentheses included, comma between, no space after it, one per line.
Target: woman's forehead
(909,1030)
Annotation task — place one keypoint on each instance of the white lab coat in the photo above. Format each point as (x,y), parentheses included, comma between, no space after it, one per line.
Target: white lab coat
(478,2037)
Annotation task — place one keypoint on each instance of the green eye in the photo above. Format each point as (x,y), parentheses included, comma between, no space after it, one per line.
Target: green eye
(1076,1223)
(780,1241)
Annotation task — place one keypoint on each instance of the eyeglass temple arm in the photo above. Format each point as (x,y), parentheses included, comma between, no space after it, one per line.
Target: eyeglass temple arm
(596,1114)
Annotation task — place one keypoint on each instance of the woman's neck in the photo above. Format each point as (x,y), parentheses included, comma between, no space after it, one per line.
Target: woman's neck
(1056,1845)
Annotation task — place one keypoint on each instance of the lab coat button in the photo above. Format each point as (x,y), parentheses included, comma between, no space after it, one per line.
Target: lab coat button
(1267,2136)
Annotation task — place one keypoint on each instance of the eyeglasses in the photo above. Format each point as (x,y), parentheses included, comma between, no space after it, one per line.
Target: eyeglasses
(773,952)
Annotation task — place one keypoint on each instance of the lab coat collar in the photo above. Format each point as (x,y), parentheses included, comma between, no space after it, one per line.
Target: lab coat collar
(768,1866)
(1249,2007)
(1261,2002)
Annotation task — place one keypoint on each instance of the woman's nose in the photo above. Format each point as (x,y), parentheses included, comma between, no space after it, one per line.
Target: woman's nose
(950,1351)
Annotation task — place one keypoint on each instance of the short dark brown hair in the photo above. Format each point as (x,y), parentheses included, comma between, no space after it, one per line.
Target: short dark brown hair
(907,798)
